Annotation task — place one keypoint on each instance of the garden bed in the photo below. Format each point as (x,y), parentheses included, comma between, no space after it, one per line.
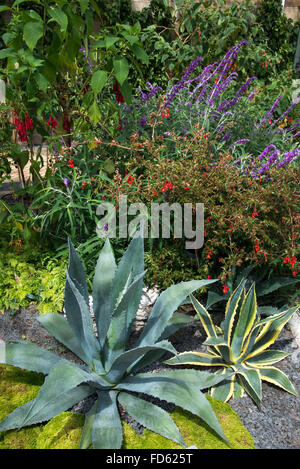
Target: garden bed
(275,426)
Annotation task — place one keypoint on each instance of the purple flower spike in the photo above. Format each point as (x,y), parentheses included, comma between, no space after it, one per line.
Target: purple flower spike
(67,182)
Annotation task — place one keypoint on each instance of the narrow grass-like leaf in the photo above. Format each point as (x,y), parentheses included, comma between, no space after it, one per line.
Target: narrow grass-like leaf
(151,416)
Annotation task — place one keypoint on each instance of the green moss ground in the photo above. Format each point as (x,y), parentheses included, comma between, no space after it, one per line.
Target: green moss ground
(64,431)
(16,388)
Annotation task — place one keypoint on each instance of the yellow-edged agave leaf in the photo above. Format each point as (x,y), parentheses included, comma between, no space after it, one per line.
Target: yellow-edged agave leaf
(275,325)
(251,382)
(224,390)
(204,317)
(196,358)
(231,309)
(248,313)
(238,388)
(277,377)
(268,357)
(224,349)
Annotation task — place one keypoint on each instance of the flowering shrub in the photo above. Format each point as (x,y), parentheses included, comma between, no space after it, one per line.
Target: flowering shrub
(227,117)
(247,220)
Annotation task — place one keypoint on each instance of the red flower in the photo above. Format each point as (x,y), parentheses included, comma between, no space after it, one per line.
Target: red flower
(254,214)
(166,186)
(71,163)
(130,180)
(225,288)
(52,122)
(117,92)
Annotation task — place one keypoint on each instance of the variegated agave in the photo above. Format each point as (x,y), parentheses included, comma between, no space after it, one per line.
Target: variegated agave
(240,345)
(111,367)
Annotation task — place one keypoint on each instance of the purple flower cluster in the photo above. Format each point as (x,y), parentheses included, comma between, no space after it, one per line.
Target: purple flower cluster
(86,58)
(231,102)
(181,84)
(146,96)
(271,156)
(288,157)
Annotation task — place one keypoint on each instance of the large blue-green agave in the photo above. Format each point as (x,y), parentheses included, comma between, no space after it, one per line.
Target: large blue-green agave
(111,367)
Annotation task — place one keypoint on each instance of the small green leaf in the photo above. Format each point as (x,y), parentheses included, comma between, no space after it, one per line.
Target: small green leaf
(110,41)
(121,69)
(94,113)
(33,31)
(59,17)
(98,81)
(140,53)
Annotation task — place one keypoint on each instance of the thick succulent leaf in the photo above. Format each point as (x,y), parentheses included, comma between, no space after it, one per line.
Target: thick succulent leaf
(181,392)
(119,329)
(204,317)
(127,360)
(271,330)
(249,342)
(76,272)
(86,436)
(215,341)
(268,357)
(58,326)
(196,358)
(238,388)
(79,317)
(132,261)
(269,286)
(62,378)
(222,348)
(223,390)
(177,321)
(247,316)
(214,298)
(30,357)
(151,416)
(66,401)
(200,379)
(107,432)
(251,382)
(148,359)
(277,377)
(164,307)
(102,290)
(231,310)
